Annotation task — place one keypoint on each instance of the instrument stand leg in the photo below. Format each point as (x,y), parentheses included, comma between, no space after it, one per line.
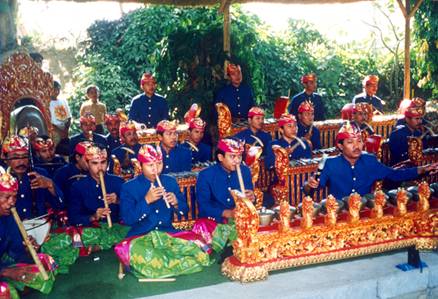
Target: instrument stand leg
(121,273)
(414,261)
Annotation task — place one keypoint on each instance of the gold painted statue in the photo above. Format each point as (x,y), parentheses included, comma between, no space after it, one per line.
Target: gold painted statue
(252,160)
(423,197)
(402,201)
(285,213)
(354,203)
(415,149)
(224,120)
(137,167)
(247,219)
(331,206)
(307,212)
(117,167)
(379,203)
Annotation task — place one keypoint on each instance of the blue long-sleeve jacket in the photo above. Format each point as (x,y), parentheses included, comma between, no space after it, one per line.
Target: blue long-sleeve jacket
(149,111)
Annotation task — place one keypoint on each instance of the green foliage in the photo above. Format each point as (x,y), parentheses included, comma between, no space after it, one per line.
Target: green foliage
(183,47)
(426,58)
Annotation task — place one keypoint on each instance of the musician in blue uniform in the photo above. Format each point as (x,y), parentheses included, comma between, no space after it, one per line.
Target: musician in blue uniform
(45,156)
(296,147)
(237,96)
(36,190)
(398,140)
(176,158)
(149,201)
(75,170)
(370,86)
(129,147)
(201,152)
(215,182)
(355,171)
(306,129)
(11,242)
(361,116)
(254,134)
(88,126)
(309,94)
(112,123)
(148,108)
(88,204)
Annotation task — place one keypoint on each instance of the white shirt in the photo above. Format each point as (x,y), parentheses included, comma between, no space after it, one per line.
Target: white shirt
(59,113)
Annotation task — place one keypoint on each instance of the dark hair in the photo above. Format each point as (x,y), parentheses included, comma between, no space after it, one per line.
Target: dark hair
(56,84)
(219,151)
(89,87)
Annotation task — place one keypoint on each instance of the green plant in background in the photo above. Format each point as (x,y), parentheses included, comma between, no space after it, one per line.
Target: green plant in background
(426,50)
(183,47)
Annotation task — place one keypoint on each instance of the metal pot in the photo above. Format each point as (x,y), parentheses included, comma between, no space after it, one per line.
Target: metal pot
(316,209)
(341,205)
(266,216)
(293,211)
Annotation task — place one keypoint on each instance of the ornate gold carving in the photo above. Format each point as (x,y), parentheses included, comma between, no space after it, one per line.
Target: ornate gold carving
(379,203)
(402,201)
(22,78)
(331,206)
(423,197)
(247,219)
(354,204)
(307,213)
(117,167)
(285,213)
(254,167)
(137,167)
(415,149)
(224,120)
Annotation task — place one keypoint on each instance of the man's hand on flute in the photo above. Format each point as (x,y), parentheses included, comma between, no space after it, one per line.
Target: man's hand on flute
(249,194)
(228,214)
(32,242)
(171,199)
(112,198)
(154,194)
(100,213)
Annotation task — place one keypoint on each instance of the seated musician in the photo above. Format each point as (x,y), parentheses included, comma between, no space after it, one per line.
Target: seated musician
(306,129)
(35,189)
(296,147)
(405,104)
(309,82)
(237,96)
(398,140)
(76,169)
(201,152)
(129,147)
(45,156)
(215,182)
(88,127)
(370,86)
(88,204)
(143,199)
(12,250)
(356,171)
(176,158)
(254,134)
(112,123)
(362,112)
(148,107)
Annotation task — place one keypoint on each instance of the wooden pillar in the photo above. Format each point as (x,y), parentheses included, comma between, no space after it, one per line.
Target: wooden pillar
(407,68)
(227,23)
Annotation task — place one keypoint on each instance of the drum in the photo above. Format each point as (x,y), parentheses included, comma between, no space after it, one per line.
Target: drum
(38,228)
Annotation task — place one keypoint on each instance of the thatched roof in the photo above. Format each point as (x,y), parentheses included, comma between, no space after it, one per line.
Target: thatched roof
(214,2)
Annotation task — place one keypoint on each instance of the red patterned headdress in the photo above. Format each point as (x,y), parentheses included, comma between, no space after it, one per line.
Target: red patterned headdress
(112,118)
(233,68)
(81,147)
(253,154)
(256,111)
(416,108)
(231,146)
(149,154)
(40,144)
(194,111)
(197,123)
(306,106)
(95,153)
(87,119)
(14,144)
(127,126)
(370,79)
(147,78)
(347,131)
(286,119)
(7,182)
(347,111)
(166,125)
(308,77)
